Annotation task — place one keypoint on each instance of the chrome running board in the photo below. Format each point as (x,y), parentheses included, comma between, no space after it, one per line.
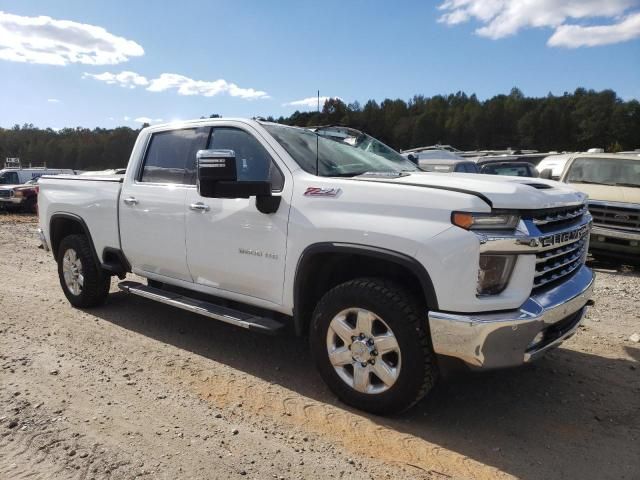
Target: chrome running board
(207,309)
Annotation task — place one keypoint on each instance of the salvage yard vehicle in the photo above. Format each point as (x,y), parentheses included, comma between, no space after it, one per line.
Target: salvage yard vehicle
(612,182)
(387,269)
(20,197)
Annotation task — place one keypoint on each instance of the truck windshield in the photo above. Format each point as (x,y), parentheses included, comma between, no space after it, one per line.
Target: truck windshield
(605,171)
(337,158)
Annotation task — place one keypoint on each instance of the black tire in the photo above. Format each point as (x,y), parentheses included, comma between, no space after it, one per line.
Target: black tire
(96,282)
(405,316)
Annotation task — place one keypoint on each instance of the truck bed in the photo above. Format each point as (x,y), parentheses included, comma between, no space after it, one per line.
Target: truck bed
(92,198)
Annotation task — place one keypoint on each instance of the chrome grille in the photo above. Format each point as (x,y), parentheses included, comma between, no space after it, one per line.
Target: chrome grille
(615,216)
(553,218)
(555,264)
(5,193)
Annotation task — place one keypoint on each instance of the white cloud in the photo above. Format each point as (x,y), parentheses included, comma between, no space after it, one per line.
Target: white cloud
(183,85)
(146,120)
(502,18)
(574,36)
(126,118)
(53,100)
(188,86)
(49,41)
(124,79)
(310,102)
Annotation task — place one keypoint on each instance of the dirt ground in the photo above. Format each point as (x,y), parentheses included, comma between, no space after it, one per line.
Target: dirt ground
(138,389)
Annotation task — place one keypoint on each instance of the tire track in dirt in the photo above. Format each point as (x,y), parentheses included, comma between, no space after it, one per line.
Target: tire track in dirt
(358,434)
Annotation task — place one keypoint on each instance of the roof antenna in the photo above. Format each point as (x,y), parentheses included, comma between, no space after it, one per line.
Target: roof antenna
(318,139)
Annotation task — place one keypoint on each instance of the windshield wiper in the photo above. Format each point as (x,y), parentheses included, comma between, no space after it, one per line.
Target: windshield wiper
(588,182)
(623,184)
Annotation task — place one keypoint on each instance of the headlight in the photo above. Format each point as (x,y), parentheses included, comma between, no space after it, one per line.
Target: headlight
(485,221)
(17,193)
(494,273)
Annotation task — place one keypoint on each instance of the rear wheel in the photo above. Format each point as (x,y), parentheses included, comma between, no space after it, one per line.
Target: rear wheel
(370,342)
(83,282)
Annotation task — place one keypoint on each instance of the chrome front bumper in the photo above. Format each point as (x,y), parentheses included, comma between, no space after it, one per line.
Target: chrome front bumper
(11,200)
(505,339)
(598,231)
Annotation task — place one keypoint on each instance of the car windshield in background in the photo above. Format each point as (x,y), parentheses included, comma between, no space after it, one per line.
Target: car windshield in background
(513,170)
(336,158)
(434,167)
(437,155)
(605,171)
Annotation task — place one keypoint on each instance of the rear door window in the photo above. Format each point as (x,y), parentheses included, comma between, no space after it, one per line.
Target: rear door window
(170,156)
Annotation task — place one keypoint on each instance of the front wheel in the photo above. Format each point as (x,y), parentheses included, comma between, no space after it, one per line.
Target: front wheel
(83,282)
(370,342)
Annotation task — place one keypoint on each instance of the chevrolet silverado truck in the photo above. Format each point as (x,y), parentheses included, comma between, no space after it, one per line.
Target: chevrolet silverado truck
(386,269)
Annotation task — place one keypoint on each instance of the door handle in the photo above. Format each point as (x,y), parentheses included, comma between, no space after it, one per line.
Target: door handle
(199,207)
(130,201)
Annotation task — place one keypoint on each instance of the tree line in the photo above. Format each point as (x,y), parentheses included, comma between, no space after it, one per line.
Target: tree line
(570,122)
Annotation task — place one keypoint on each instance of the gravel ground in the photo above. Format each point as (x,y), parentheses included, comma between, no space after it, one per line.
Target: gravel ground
(138,389)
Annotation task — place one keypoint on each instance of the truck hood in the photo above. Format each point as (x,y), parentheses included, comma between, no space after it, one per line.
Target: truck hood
(497,190)
(609,193)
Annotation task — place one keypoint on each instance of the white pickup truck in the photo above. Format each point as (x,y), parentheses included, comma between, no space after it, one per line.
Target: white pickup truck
(387,269)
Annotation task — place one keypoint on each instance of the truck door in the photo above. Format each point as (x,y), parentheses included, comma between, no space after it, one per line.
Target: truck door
(231,246)
(152,204)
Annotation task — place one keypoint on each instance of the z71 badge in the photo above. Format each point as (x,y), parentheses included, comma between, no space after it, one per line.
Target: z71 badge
(322,192)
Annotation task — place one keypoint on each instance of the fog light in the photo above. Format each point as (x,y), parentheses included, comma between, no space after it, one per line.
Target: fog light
(494,273)
(537,339)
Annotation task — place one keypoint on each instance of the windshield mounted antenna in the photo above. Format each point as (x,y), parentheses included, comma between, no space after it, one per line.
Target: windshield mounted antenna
(318,140)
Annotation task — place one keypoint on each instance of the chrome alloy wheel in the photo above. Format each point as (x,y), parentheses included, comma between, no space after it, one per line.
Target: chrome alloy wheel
(72,271)
(363,350)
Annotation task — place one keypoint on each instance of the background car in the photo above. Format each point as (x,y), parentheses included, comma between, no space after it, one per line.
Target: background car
(612,182)
(20,197)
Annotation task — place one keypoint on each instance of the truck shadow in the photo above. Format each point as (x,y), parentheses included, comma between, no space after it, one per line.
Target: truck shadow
(571,415)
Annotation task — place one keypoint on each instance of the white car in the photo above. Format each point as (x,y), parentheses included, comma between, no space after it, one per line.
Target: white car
(384,267)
